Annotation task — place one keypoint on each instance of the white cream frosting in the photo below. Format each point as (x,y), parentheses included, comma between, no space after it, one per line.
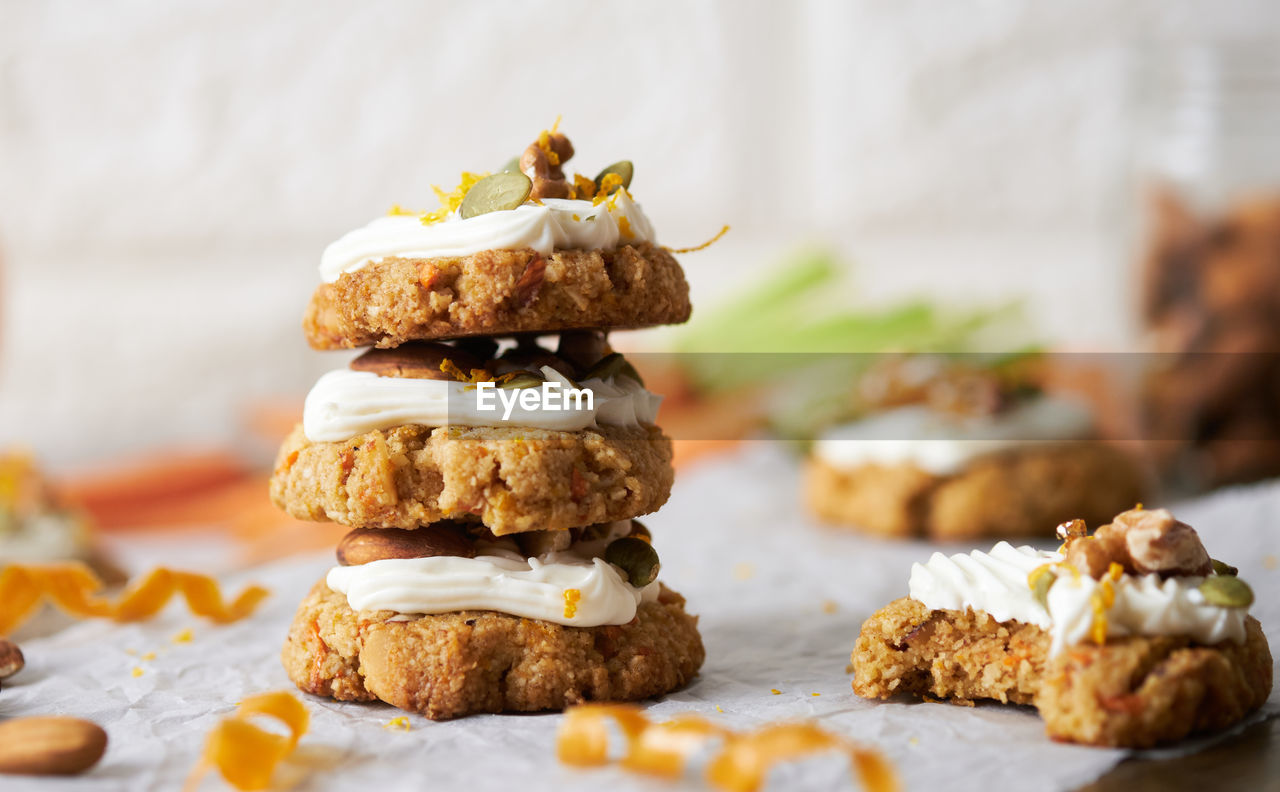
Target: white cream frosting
(943,444)
(499,579)
(555,224)
(996,583)
(345,403)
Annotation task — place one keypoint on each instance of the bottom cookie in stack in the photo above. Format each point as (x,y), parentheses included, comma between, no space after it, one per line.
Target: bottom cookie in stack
(448,620)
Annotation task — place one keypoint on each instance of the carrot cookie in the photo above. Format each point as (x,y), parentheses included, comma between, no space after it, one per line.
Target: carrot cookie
(1128,637)
(401,439)
(490,628)
(524,250)
(953,451)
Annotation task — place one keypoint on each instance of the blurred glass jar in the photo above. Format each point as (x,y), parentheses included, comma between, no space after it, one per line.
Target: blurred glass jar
(1209,166)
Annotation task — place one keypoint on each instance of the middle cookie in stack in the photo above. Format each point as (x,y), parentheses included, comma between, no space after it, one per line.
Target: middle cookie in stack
(495,564)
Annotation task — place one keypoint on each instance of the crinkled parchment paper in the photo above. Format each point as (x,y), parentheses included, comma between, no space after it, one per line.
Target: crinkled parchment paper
(780,598)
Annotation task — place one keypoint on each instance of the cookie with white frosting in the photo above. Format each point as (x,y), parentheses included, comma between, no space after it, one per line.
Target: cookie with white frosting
(492,628)
(1121,638)
(523,250)
(963,453)
(428,432)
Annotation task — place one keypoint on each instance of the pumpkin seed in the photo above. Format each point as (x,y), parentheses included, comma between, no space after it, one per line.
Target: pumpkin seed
(612,365)
(623,168)
(522,379)
(1040,580)
(1223,568)
(636,558)
(1227,591)
(496,193)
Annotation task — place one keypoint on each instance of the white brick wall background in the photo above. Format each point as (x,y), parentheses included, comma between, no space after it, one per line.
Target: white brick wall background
(169,172)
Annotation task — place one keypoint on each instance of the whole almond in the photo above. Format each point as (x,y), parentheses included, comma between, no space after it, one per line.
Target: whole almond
(375,544)
(416,360)
(11,660)
(50,746)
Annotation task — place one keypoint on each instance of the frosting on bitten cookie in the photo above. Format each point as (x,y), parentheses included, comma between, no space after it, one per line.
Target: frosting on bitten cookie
(997,583)
(1129,636)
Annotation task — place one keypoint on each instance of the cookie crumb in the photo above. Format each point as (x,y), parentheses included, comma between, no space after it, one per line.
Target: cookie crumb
(830,606)
(744,571)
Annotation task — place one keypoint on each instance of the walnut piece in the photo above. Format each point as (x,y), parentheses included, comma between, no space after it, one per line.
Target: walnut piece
(1143,542)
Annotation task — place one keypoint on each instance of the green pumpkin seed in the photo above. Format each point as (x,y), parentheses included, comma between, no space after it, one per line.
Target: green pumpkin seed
(1040,580)
(496,193)
(623,168)
(522,379)
(512,166)
(636,558)
(1227,591)
(639,531)
(1223,568)
(612,365)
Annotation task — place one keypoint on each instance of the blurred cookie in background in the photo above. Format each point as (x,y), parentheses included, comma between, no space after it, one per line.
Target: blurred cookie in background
(1211,304)
(37,525)
(963,446)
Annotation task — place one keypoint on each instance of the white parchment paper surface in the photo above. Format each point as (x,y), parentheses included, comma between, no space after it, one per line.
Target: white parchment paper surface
(780,599)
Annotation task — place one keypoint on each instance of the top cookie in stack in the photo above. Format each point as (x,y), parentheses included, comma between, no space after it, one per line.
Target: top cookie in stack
(537,253)
(491,481)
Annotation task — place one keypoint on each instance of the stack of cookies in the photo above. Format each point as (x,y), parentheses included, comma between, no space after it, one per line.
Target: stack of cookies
(490,453)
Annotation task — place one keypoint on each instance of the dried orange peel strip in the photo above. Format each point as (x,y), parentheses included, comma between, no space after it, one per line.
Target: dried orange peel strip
(247,755)
(74,588)
(741,765)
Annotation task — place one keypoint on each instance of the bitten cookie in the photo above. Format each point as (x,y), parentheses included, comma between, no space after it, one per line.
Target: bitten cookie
(456,664)
(1130,636)
(1133,691)
(1012,493)
(498,293)
(511,479)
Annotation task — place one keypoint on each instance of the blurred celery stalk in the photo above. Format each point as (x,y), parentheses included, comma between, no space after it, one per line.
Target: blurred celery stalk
(785,336)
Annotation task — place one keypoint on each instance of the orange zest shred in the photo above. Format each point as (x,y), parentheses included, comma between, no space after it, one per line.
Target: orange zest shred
(450,201)
(247,755)
(544,143)
(741,764)
(704,245)
(583,188)
(1104,596)
(610,186)
(397,210)
(74,588)
(475,375)
(624,227)
(571,599)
